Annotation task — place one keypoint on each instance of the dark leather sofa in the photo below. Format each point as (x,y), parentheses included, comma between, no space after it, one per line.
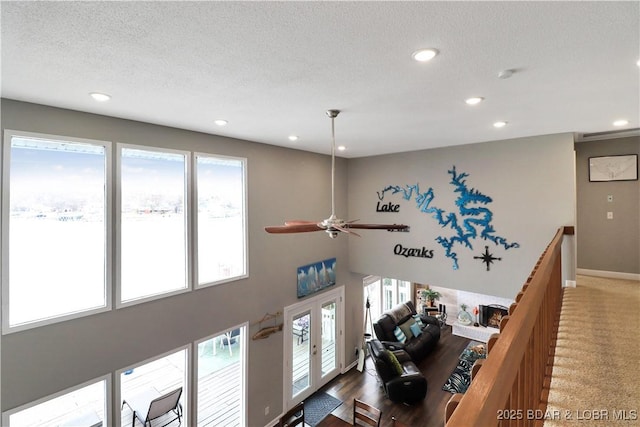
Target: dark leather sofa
(401,380)
(418,347)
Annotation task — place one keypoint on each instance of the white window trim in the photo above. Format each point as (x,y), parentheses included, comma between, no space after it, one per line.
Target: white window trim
(5,214)
(245,359)
(245,209)
(186,390)
(188,226)
(107,397)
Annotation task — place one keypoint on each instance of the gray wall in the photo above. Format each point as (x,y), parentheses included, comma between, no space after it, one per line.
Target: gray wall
(531,182)
(530,179)
(611,245)
(282,184)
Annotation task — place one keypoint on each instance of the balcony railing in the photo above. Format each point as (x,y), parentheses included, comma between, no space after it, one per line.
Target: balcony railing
(510,387)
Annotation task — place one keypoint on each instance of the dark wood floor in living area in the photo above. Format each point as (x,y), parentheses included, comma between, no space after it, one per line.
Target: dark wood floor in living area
(429,413)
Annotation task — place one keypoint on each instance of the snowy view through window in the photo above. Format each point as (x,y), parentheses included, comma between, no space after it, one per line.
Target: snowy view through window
(153,254)
(221,240)
(58,222)
(57,229)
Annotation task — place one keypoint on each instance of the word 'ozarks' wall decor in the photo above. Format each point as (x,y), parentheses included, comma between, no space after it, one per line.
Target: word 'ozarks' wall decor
(472,221)
(412,252)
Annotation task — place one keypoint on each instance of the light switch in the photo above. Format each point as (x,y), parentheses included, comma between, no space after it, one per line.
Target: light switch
(609,215)
(610,198)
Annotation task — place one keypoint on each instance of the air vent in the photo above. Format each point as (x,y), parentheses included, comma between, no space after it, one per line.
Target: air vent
(596,136)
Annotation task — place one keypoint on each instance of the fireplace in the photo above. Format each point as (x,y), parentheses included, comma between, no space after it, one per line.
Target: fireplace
(491,315)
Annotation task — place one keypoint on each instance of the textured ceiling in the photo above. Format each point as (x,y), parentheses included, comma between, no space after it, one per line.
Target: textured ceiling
(272,68)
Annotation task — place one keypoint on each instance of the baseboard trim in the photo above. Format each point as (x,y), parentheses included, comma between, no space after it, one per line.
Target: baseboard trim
(609,274)
(349,367)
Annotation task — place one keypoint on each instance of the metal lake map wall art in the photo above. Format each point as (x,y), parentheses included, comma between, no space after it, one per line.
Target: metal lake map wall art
(472,221)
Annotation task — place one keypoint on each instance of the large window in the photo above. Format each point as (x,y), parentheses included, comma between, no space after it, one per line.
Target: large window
(221,379)
(59,228)
(55,228)
(84,405)
(153,222)
(141,384)
(221,236)
(383,294)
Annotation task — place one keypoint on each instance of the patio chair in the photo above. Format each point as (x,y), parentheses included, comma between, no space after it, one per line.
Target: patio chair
(230,338)
(151,406)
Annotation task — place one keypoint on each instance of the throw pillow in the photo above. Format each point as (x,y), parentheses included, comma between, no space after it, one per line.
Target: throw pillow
(418,320)
(395,363)
(415,329)
(400,336)
(406,328)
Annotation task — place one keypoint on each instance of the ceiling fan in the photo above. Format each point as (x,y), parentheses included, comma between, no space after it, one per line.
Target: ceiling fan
(331,225)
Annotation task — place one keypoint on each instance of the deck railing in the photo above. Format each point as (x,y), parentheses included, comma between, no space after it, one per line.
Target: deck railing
(510,387)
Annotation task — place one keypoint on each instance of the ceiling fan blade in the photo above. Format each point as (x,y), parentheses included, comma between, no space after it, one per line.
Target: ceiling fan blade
(299,222)
(345,230)
(378,226)
(296,228)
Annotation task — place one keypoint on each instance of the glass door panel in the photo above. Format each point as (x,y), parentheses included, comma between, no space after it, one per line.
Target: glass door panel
(328,337)
(312,345)
(300,353)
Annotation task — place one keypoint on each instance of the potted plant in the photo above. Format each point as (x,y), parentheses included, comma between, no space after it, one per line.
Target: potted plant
(431,296)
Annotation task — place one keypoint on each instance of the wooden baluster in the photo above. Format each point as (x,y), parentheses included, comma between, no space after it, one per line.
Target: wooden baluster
(491,342)
(476,367)
(452,404)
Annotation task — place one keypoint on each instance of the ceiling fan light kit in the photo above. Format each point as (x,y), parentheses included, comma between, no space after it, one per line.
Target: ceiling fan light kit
(332,225)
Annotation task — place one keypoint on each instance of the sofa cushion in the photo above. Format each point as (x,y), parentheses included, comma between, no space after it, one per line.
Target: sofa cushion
(400,336)
(415,329)
(418,320)
(393,360)
(399,313)
(406,328)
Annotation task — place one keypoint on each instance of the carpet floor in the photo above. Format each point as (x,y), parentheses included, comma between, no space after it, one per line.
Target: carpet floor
(595,379)
(318,406)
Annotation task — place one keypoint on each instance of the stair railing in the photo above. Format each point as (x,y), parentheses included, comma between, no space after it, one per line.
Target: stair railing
(510,387)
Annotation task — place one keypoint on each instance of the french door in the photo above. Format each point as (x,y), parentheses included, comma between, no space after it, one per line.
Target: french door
(312,345)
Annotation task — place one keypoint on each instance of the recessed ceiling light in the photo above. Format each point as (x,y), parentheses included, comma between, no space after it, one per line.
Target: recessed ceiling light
(474,100)
(424,55)
(505,74)
(621,122)
(293,137)
(638,63)
(341,147)
(499,124)
(100,97)
(220,122)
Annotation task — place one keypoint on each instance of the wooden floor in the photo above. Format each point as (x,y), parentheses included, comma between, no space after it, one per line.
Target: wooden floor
(429,413)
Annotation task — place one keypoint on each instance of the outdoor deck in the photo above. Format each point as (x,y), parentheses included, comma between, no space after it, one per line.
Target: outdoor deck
(219,398)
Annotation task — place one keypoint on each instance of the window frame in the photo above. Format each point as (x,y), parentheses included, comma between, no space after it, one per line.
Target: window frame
(6,415)
(5,230)
(187,413)
(244,368)
(245,243)
(118,225)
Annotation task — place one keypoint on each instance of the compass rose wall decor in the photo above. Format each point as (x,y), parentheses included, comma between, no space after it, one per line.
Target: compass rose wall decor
(613,168)
(487,258)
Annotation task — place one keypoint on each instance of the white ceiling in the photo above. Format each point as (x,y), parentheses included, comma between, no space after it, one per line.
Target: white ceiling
(272,69)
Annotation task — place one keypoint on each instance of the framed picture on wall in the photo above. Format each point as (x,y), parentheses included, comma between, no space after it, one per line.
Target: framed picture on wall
(613,168)
(315,277)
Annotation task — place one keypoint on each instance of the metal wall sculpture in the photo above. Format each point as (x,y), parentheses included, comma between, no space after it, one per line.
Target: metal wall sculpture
(471,221)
